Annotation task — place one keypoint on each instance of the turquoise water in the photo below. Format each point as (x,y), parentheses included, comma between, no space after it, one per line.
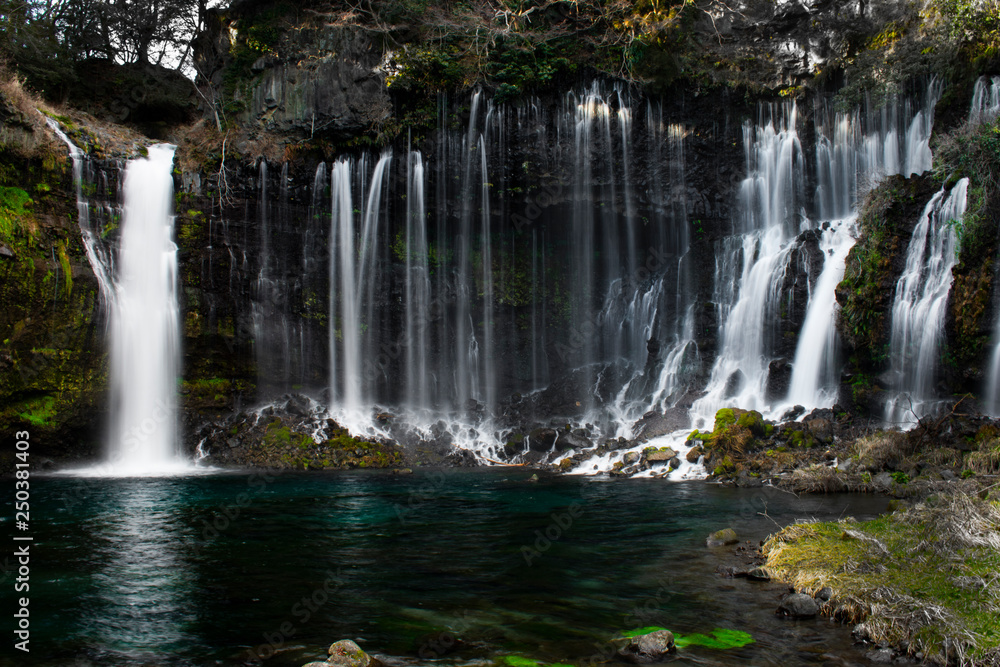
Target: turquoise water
(232,569)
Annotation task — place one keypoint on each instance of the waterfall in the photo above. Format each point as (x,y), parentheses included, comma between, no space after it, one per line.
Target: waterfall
(770,206)
(918,310)
(138,286)
(488,360)
(417,287)
(535,263)
(353,258)
(99,256)
(145,327)
(985,108)
(985,100)
(815,371)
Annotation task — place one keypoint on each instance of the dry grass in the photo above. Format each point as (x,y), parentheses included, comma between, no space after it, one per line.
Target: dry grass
(878,449)
(985,461)
(23,130)
(928,575)
(815,479)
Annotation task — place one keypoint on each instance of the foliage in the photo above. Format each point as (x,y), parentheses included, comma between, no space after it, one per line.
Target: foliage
(14,203)
(974,25)
(866,290)
(45,39)
(39,411)
(972,151)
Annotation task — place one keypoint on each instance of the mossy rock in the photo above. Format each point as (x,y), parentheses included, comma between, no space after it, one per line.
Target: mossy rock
(724,417)
(753,421)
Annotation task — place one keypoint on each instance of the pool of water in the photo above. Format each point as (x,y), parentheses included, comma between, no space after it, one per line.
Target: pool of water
(441,566)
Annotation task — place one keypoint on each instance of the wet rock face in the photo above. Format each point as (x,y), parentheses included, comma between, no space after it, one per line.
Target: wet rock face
(330,84)
(318,79)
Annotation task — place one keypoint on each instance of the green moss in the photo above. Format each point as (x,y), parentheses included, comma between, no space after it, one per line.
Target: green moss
(14,203)
(753,421)
(67,269)
(519,661)
(724,418)
(801,439)
(641,631)
(38,411)
(720,638)
(905,561)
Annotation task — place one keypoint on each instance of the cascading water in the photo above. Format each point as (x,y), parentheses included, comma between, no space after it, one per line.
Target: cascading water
(447,301)
(986,107)
(985,100)
(815,371)
(139,287)
(770,203)
(918,310)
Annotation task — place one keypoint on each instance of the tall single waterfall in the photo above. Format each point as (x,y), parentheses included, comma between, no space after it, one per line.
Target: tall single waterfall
(138,283)
(918,311)
(145,327)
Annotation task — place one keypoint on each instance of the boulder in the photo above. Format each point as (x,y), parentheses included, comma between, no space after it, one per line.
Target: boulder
(655,424)
(651,647)
(631,457)
(658,455)
(822,429)
(734,383)
(882,481)
(346,653)
(574,440)
(298,405)
(793,413)
(694,454)
(882,656)
(542,439)
(722,538)
(798,605)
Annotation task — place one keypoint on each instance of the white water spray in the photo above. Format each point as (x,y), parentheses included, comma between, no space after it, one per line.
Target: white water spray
(918,311)
(145,331)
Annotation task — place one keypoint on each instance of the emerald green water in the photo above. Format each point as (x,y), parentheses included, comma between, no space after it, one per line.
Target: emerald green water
(225,569)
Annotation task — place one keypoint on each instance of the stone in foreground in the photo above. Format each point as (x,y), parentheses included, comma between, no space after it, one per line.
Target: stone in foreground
(798,605)
(651,647)
(346,653)
(722,538)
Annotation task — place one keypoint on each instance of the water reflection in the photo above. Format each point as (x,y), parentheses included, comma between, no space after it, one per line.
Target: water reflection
(138,608)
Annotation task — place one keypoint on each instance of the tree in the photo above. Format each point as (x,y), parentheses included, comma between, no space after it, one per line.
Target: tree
(45,38)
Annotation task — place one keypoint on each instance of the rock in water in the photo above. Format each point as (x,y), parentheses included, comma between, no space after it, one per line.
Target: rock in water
(346,653)
(651,647)
(664,454)
(722,538)
(798,605)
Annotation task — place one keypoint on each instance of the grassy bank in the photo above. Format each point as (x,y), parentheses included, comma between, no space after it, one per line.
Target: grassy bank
(926,579)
